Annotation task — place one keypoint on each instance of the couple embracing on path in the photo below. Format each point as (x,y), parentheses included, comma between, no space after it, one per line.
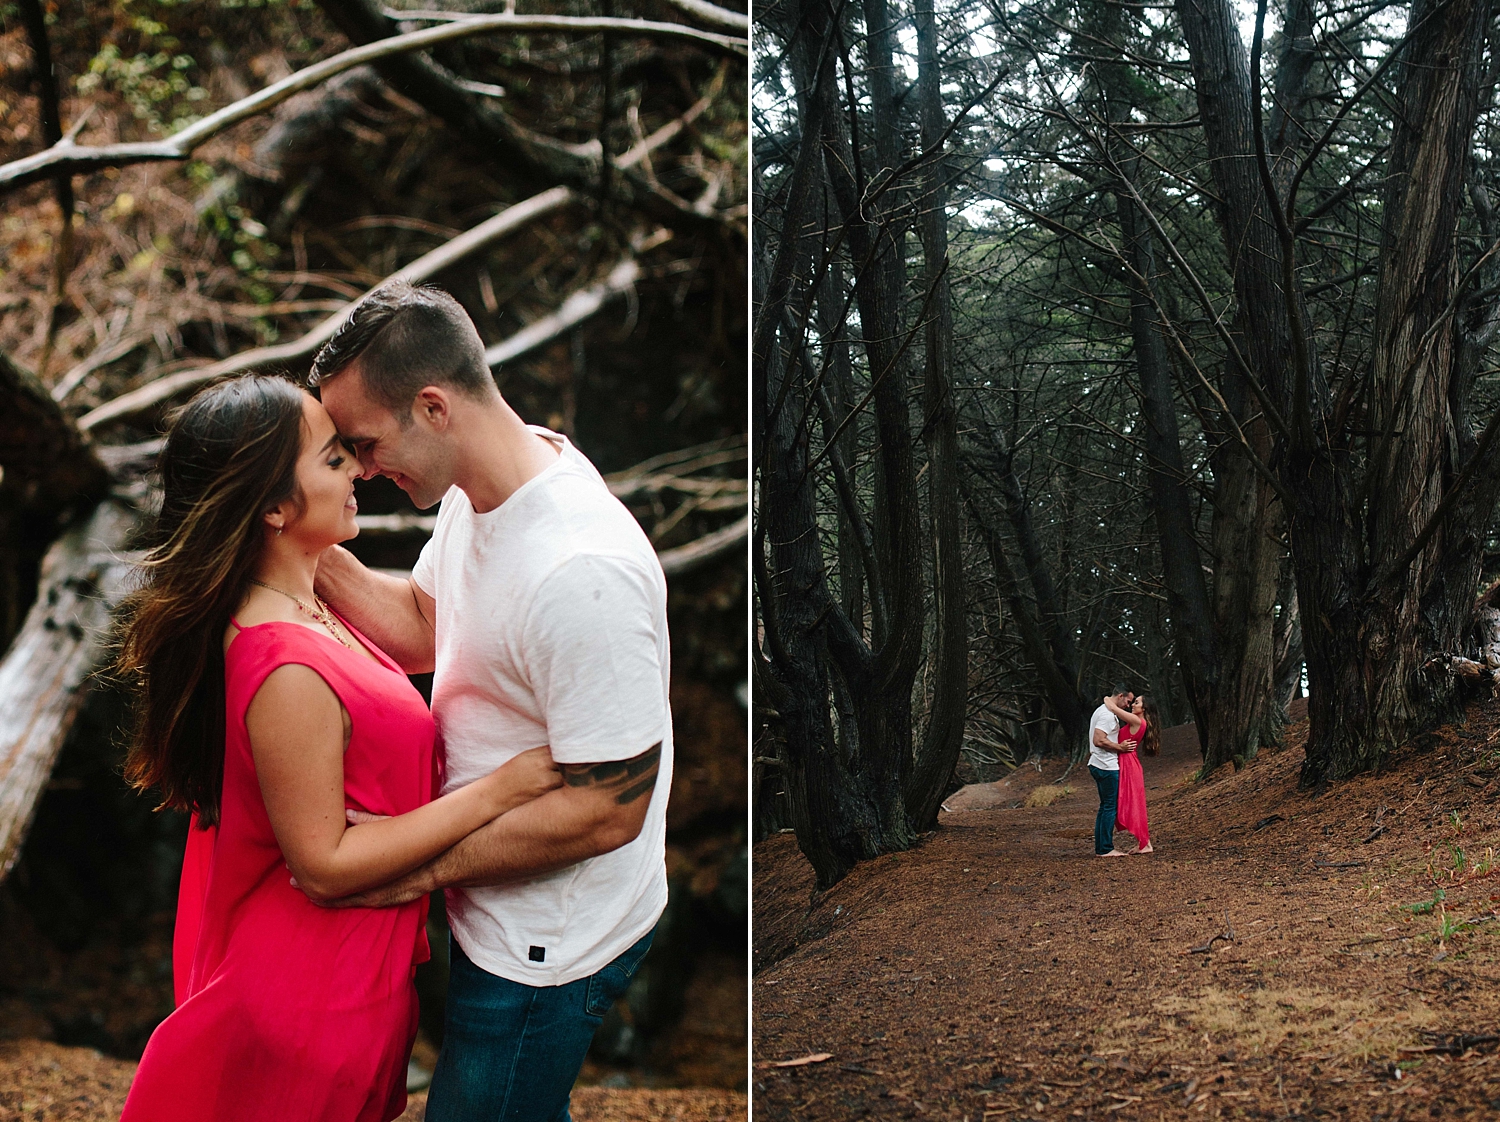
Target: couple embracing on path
(327,800)
(1122,726)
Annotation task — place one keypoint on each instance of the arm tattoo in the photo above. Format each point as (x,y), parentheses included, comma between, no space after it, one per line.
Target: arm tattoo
(627,780)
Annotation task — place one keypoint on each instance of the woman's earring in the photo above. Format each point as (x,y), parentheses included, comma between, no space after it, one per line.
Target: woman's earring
(278,531)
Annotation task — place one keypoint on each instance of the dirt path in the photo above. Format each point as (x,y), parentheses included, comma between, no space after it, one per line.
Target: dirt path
(45,1082)
(999,971)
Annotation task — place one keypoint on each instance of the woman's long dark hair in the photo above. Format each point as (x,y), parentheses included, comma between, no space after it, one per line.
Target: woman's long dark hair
(1151,741)
(230,455)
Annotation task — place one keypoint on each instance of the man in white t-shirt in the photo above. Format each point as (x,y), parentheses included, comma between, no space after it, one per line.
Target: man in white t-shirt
(541,608)
(1104,766)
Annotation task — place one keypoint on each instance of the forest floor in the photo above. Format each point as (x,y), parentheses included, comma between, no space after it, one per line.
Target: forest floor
(45,1082)
(1000,971)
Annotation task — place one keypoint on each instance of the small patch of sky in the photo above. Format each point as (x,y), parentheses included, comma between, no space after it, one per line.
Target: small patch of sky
(906,57)
(1245,13)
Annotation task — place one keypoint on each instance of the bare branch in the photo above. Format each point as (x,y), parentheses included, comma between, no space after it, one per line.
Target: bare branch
(429,264)
(708,548)
(714,15)
(575,309)
(70,158)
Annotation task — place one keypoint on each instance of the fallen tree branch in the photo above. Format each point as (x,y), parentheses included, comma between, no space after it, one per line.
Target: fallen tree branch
(59,646)
(424,267)
(1455,1044)
(714,15)
(1227,935)
(710,547)
(581,23)
(575,309)
(726,450)
(1461,667)
(104,354)
(68,158)
(485,123)
(674,562)
(126,461)
(643,479)
(639,151)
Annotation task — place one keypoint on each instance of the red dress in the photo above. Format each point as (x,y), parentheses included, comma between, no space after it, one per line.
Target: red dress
(286,1010)
(1131,812)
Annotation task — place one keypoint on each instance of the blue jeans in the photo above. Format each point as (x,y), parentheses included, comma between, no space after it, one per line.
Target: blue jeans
(1108,783)
(511,1051)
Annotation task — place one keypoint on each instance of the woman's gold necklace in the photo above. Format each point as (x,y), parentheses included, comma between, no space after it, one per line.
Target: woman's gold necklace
(320,613)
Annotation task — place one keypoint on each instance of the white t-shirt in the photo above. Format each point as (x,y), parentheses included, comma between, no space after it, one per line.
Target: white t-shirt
(551,629)
(1103,758)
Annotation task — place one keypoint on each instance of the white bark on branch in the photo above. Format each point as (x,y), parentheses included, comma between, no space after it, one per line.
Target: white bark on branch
(575,309)
(708,548)
(649,477)
(44,672)
(714,15)
(67,157)
(153,393)
(674,562)
(711,14)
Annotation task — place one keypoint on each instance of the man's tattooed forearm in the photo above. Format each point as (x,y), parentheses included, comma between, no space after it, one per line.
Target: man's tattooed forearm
(629,779)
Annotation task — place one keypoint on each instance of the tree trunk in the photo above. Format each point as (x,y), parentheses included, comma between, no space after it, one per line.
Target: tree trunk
(43,677)
(1367,686)
(1242,716)
(1188,603)
(1322,523)
(48,474)
(1376,603)
(993,494)
(844,704)
(1057,681)
(949,655)
(1224,640)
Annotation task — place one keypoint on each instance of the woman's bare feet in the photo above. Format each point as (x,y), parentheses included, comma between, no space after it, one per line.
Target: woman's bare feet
(1111,853)
(1147,848)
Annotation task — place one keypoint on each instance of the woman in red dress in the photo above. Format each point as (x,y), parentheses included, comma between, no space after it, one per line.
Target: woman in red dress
(270,719)
(1139,730)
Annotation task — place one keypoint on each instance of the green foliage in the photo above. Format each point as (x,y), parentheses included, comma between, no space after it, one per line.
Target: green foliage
(251,253)
(1425,907)
(1485,864)
(156,79)
(1448,926)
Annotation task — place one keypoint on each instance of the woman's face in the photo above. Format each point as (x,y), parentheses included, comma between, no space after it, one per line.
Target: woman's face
(326,472)
(1138,706)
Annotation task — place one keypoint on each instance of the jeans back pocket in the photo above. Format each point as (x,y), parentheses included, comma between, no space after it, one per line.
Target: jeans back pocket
(608,984)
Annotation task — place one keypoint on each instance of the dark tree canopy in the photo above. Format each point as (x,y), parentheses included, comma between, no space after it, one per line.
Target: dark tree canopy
(1211,296)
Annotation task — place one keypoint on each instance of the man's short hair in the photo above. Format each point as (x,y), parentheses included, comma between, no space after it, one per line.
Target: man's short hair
(1120,687)
(404,338)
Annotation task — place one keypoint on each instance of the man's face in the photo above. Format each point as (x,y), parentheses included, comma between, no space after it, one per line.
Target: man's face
(1125,700)
(408,454)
